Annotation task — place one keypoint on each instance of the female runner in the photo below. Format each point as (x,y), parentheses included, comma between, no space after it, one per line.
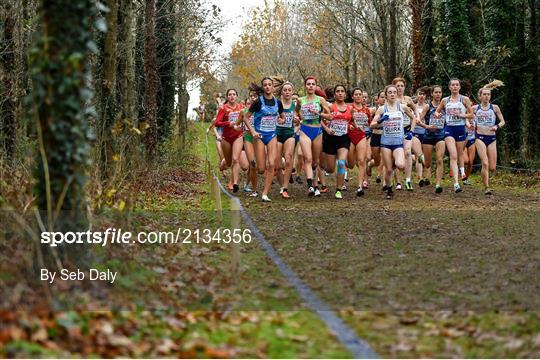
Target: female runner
(486,115)
(310,109)
(266,110)
(391,118)
(458,113)
(434,138)
(285,138)
(357,134)
(232,140)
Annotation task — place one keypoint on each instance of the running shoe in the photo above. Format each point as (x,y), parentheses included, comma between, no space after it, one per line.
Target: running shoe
(346,176)
(385,188)
(235,188)
(299,180)
(427,182)
(438,189)
(487,191)
(457,188)
(408,186)
(318,192)
(389,193)
(247,189)
(254,194)
(280,190)
(324,190)
(399,187)
(344,188)
(378,180)
(365,185)
(466,181)
(338,195)
(421,183)
(265,198)
(359,192)
(326,174)
(285,194)
(311,191)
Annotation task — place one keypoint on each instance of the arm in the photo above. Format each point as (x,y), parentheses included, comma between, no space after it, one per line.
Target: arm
(442,104)
(422,116)
(326,113)
(499,116)
(377,119)
(469,114)
(220,119)
(410,114)
(248,125)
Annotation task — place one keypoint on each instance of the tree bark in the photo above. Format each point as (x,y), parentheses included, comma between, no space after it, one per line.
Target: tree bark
(8,119)
(416,40)
(151,75)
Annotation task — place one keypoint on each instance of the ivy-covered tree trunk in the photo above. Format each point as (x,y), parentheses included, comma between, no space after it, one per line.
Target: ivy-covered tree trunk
(458,40)
(151,75)
(532,105)
(107,93)
(8,119)
(165,30)
(392,48)
(506,21)
(59,94)
(128,85)
(428,25)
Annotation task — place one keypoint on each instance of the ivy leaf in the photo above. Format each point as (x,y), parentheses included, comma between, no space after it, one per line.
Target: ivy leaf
(101,24)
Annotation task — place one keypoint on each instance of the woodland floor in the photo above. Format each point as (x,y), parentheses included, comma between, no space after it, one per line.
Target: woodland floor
(418,276)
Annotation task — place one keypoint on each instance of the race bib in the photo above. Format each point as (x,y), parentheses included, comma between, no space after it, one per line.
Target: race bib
(406,120)
(307,109)
(484,119)
(361,120)
(452,118)
(393,128)
(339,127)
(289,117)
(268,123)
(233,116)
(437,122)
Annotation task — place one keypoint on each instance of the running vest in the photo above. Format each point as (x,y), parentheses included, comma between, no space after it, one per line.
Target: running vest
(266,119)
(288,114)
(406,119)
(362,118)
(393,126)
(246,110)
(309,118)
(485,118)
(452,109)
(430,119)
(418,129)
(340,123)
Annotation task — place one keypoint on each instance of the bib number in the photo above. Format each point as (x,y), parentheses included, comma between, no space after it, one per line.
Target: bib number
(339,127)
(361,120)
(268,123)
(393,128)
(288,120)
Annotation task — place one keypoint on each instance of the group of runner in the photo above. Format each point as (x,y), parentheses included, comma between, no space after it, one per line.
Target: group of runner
(276,133)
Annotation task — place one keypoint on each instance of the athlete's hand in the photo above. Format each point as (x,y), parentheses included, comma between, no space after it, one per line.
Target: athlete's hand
(296,120)
(255,134)
(383,118)
(313,111)
(437,114)
(431,127)
(281,120)
(495,128)
(409,135)
(330,131)
(218,138)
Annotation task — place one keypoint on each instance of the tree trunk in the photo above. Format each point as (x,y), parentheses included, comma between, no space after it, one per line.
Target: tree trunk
(127,62)
(416,40)
(107,94)
(59,94)
(165,27)
(392,46)
(151,75)
(8,119)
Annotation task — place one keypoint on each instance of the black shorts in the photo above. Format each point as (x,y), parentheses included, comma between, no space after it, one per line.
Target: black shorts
(284,136)
(432,140)
(375,140)
(331,143)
